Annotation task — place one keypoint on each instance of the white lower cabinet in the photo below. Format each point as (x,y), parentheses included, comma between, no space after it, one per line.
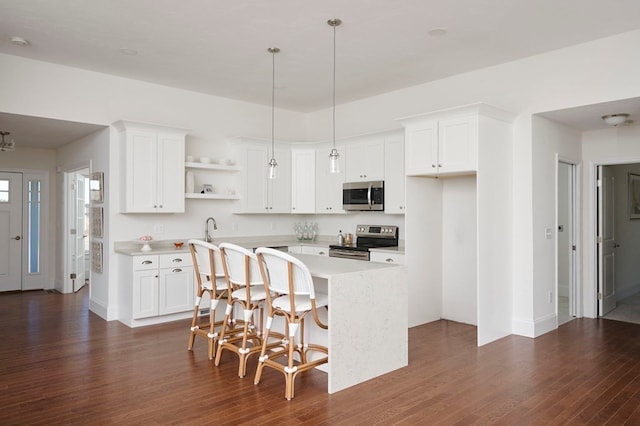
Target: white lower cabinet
(162,284)
(384,257)
(313,250)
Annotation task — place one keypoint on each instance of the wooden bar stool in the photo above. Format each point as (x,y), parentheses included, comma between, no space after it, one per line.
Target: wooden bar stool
(246,291)
(210,277)
(290,294)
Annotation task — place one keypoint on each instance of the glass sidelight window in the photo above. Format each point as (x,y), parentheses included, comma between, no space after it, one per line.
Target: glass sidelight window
(4,190)
(33,239)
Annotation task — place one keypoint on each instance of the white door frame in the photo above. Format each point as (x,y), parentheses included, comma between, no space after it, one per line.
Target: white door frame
(590,294)
(575,291)
(69,170)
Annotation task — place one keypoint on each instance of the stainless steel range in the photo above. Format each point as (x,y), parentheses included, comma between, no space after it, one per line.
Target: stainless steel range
(367,237)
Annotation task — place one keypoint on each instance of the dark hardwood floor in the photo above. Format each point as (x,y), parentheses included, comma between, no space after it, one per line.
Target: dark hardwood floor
(61,364)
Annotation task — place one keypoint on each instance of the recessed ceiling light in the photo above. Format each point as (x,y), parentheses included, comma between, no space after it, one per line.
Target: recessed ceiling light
(437,32)
(128,51)
(19,41)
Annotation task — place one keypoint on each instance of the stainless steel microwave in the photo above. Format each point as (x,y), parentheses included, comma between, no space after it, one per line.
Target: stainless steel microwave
(363,196)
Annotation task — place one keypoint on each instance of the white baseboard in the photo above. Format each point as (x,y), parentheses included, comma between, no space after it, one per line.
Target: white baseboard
(538,327)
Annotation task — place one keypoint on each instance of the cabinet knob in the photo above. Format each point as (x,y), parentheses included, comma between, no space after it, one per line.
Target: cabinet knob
(160,205)
(433,166)
(155,206)
(439,165)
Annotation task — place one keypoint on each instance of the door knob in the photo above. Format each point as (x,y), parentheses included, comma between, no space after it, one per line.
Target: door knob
(616,245)
(17,238)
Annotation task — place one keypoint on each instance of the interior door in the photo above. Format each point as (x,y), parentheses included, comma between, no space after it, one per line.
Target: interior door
(81,231)
(606,241)
(10,231)
(566,249)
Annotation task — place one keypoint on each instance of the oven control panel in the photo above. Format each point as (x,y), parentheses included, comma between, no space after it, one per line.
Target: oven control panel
(380,231)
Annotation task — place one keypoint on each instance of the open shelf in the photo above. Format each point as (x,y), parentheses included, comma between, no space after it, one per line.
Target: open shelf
(212,166)
(212,196)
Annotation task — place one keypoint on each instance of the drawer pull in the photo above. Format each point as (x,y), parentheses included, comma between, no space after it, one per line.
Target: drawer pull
(177,270)
(176,260)
(389,260)
(147,262)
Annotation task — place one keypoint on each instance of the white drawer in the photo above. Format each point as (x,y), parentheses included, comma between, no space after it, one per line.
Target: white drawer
(397,258)
(175,260)
(143,263)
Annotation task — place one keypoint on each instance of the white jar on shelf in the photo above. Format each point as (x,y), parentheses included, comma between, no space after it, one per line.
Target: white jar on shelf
(190,182)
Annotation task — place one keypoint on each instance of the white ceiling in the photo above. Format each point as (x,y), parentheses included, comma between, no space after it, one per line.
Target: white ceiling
(220,47)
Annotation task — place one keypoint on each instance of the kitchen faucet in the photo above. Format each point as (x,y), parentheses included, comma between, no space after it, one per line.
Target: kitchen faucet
(207,234)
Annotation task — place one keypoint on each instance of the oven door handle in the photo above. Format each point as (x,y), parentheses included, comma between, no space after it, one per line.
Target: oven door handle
(347,254)
(369,194)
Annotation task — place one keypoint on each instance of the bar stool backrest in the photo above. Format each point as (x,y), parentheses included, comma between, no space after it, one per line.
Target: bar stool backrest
(235,258)
(206,258)
(276,264)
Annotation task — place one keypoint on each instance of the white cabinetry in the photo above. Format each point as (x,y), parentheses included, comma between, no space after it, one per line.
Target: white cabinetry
(365,159)
(394,185)
(386,257)
(160,285)
(303,165)
(307,249)
(261,194)
(473,209)
(329,185)
(152,158)
(442,146)
(217,175)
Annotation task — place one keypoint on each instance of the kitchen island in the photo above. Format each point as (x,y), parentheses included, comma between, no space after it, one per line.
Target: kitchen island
(368,321)
(367,316)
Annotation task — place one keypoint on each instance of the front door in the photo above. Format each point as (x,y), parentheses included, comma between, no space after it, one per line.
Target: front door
(606,241)
(10,231)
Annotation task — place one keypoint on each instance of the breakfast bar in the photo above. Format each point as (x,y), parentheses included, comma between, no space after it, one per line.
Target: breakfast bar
(367,318)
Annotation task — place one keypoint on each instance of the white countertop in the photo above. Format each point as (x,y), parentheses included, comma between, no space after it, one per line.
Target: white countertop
(132,248)
(327,267)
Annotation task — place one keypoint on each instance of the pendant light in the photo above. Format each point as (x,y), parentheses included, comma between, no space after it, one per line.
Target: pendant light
(334,166)
(273,163)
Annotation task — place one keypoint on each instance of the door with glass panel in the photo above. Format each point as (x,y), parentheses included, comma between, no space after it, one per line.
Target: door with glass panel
(10,231)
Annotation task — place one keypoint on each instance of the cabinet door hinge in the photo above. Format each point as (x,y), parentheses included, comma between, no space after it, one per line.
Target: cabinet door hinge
(598,239)
(599,296)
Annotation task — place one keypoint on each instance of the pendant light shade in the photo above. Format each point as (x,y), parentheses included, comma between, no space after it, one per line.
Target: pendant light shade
(334,156)
(273,164)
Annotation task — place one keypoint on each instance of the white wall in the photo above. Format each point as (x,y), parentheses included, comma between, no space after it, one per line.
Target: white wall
(459,249)
(599,71)
(595,72)
(90,151)
(550,139)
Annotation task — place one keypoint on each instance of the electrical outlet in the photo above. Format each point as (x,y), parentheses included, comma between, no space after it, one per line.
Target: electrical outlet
(550,297)
(234,226)
(158,228)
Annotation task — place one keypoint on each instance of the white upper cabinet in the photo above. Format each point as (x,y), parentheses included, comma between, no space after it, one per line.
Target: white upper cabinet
(394,177)
(303,180)
(458,145)
(261,194)
(365,159)
(153,164)
(446,142)
(445,146)
(329,185)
